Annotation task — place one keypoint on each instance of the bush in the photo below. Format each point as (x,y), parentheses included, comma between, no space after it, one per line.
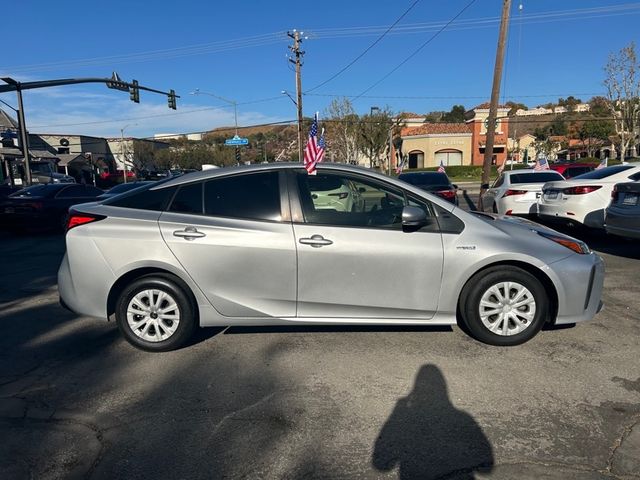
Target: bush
(472,172)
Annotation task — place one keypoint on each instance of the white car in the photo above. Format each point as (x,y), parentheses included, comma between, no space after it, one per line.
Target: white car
(516,192)
(583,199)
(329,193)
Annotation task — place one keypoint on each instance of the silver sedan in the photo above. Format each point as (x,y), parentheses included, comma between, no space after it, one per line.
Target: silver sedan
(249,246)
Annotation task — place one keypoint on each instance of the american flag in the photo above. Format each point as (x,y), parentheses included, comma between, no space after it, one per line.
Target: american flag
(603,163)
(314,152)
(441,167)
(321,147)
(541,164)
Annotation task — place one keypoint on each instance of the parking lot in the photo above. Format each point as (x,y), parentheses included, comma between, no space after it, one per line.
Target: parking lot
(77,401)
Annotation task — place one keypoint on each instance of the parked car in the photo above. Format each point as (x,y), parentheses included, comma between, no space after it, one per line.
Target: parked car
(329,192)
(44,206)
(251,245)
(6,190)
(515,192)
(571,169)
(437,183)
(583,199)
(622,217)
(109,179)
(123,187)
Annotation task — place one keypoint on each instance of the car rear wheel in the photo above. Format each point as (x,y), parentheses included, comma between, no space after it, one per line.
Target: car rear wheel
(504,306)
(155,314)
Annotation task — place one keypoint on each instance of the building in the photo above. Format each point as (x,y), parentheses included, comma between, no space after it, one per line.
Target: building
(427,145)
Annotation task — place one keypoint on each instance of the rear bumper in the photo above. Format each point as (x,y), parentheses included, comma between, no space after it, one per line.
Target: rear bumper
(622,223)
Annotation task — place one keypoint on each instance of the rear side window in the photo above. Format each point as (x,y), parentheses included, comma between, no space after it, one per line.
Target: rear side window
(253,196)
(188,199)
(143,200)
(541,177)
(79,191)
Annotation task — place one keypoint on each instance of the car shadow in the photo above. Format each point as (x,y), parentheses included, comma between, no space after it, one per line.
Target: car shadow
(426,437)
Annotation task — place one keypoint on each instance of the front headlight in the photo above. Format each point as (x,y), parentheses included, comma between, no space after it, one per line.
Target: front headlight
(572,244)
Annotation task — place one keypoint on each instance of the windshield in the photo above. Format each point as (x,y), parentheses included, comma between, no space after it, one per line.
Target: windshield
(541,177)
(603,172)
(35,191)
(43,168)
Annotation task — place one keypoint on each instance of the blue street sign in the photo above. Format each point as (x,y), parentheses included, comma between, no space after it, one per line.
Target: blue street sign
(236,140)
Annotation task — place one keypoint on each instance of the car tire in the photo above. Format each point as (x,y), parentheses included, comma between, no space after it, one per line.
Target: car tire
(493,317)
(167,317)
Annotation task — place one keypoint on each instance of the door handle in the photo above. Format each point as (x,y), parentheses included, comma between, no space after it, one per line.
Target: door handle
(316,241)
(189,233)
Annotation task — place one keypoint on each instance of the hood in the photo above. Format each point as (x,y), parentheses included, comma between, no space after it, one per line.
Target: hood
(522,232)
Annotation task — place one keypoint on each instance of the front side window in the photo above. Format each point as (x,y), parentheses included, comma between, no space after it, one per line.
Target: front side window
(188,199)
(349,200)
(251,196)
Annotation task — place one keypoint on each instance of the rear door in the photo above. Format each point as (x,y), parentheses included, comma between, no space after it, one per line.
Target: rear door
(233,236)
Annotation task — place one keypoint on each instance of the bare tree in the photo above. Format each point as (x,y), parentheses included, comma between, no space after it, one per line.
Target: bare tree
(342,131)
(374,131)
(623,91)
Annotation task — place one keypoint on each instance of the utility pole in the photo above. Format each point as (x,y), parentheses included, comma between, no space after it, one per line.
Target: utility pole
(297,60)
(495,94)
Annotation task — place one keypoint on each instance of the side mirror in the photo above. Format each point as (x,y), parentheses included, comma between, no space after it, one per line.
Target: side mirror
(413,218)
(362,189)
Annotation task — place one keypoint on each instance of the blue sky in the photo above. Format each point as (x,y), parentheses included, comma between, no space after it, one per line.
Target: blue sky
(239,52)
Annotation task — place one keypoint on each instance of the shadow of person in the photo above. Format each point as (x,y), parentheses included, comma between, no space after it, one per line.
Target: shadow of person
(426,437)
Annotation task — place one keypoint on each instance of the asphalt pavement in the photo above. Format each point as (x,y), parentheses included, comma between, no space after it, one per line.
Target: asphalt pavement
(76,401)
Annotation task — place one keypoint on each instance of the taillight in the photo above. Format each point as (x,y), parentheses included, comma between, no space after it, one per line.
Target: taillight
(448,194)
(581,190)
(341,195)
(76,219)
(510,192)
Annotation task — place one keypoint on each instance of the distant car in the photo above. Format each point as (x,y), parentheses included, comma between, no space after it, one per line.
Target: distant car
(515,192)
(334,193)
(44,206)
(571,169)
(583,199)
(622,217)
(437,183)
(123,187)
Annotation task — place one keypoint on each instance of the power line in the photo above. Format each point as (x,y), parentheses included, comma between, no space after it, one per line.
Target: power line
(159,115)
(449,97)
(343,69)
(417,50)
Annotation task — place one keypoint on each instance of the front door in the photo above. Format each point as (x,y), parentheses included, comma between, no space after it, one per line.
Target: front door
(358,262)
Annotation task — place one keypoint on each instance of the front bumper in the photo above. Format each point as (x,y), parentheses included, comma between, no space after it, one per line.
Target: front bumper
(579,281)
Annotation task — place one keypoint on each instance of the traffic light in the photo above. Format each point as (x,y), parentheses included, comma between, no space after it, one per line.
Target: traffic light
(134,92)
(172,99)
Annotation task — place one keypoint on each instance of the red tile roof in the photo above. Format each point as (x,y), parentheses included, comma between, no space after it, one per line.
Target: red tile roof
(437,129)
(486,105)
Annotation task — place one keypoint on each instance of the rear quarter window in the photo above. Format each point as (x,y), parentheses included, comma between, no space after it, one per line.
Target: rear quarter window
(143,200)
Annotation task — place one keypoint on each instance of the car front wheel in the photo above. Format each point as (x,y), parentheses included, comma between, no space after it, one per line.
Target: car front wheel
(155,314)
(504,306)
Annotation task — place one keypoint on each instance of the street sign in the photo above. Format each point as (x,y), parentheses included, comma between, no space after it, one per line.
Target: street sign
(236,140)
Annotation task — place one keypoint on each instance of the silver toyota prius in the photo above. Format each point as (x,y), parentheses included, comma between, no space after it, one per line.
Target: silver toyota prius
(260,245)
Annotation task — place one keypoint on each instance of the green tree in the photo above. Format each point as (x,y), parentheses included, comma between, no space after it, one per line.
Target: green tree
(456,115)
(374,131)
(514,107)
(342,131)
(622,82)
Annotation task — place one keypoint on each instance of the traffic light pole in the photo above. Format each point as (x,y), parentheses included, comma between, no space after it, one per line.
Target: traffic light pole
(24,138)
(114,82)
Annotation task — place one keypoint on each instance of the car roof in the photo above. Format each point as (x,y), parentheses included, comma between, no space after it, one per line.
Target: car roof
(260,167)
